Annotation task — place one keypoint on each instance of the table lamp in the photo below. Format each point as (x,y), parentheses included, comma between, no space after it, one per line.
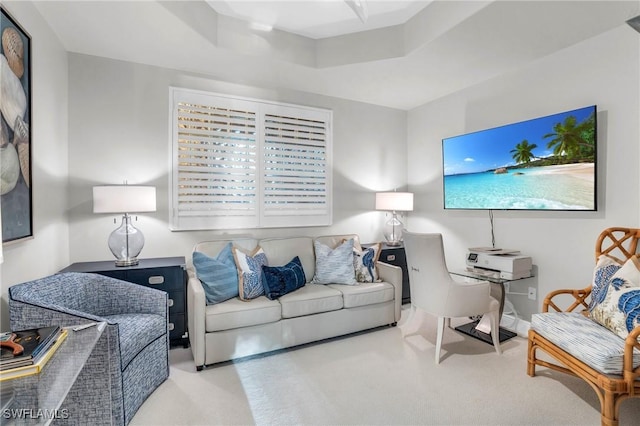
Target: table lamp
(394,202)
(125,242)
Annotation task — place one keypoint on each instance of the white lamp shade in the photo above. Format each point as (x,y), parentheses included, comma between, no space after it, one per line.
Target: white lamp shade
(124,199)
(394,201)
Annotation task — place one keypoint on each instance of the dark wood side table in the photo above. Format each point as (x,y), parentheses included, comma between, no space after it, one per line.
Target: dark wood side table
(395,255)
(162,273)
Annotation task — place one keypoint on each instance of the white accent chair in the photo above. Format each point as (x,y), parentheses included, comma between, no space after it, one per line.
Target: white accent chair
(435,292)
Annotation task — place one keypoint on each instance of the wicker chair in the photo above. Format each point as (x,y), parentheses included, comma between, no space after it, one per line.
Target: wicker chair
(131,357)
(611,389)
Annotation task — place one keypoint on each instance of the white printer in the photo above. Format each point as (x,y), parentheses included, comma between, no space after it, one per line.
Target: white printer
(509,264)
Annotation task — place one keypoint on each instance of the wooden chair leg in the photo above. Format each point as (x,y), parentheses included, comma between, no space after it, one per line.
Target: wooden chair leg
(531,358)
(441,321)
(609,414)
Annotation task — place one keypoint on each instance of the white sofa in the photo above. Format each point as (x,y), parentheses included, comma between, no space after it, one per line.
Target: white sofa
(236,328)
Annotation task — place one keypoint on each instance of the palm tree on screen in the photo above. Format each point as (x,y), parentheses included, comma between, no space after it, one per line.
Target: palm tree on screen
(522,153)
(567,137)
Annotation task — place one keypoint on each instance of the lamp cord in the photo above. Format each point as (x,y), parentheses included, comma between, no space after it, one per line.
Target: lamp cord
(493,237)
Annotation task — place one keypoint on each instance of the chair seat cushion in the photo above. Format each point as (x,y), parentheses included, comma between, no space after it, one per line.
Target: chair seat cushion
(136,332)
(236,313)
(365,293)
(583,338)
(310,299)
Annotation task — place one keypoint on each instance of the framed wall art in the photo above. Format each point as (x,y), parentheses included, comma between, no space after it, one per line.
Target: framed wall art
(15,134)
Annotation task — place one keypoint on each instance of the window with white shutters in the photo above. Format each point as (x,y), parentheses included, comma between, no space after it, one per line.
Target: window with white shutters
(244,163)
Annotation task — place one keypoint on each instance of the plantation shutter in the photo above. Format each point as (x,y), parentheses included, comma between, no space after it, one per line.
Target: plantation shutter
(241,163)
(295,167)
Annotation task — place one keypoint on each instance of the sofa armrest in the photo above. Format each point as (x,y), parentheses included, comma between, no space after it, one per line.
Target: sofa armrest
(392,275)
(579,299)
(196,305)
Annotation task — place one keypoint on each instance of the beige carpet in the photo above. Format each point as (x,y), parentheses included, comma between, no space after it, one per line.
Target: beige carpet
(377,378)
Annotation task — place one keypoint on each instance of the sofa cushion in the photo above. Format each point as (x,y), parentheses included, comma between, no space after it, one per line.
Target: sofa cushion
(250,272)
(235,313)
(365,293)
(583,338)
(280,280)
(136,332)
(310,299)
(218,275)
(605,267)
(364,263)
(334,266)
(620,309)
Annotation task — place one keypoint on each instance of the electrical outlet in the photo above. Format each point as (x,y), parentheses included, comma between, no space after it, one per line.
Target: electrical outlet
(532,293)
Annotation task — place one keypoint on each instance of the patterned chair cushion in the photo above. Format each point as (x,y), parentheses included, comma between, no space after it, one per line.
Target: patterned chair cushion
(583,338)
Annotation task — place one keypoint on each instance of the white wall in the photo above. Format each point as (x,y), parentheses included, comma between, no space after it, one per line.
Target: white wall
(604,71)
(48,251)
(119,129)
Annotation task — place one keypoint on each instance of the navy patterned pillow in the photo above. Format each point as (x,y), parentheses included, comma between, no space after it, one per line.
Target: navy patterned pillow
(280,280)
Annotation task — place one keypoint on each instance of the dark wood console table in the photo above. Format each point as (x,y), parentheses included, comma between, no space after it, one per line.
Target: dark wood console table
(163,273)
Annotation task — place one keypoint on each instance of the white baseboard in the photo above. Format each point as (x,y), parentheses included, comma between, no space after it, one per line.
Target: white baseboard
(516,325)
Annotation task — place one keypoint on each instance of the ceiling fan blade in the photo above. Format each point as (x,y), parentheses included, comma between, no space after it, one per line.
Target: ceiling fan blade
(635,23)
(360,8)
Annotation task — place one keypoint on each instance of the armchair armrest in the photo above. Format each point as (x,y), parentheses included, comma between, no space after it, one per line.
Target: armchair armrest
(629,373)
(579,299)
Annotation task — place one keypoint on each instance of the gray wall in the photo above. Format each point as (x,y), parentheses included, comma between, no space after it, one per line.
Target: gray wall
(48,251)
(119,129)
(603,71)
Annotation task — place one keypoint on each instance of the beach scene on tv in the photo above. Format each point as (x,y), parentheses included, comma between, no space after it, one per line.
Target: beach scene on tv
(547,163)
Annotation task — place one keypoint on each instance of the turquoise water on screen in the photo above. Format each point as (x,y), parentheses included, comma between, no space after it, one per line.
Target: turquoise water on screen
(533,189)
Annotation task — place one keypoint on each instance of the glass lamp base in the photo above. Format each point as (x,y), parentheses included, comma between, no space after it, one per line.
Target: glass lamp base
(127,262)
(393,231)
(126,243)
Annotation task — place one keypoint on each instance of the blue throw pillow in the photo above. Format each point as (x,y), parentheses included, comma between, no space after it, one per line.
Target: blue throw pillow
(334,266)
(219,276)
(280,280)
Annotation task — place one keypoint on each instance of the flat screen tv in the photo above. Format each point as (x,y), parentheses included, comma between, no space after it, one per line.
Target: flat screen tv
(548,163)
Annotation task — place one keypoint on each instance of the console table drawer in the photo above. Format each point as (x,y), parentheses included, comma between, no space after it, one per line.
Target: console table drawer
(161,278)
(177,302)
(176,326)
